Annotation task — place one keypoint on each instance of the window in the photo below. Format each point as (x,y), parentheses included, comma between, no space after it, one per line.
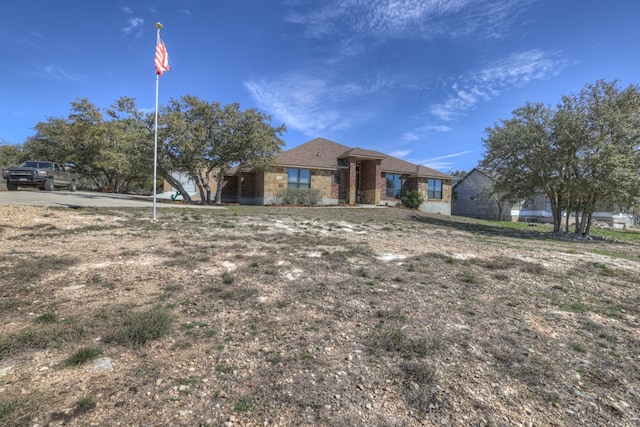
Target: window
(336,177)
(394,185)
(434,189)
(299,178)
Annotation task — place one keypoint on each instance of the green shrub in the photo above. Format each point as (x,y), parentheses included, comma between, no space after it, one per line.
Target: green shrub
(299,197)
(412,199)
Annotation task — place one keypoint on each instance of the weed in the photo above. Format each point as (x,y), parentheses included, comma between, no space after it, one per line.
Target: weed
(469,277)
(395,341)
(83,355)
(224,368)
(138,328)
(575,307)
(420,381)
(244,405)
(362,272)
(83,405)
(419,373)
(227,278)
(28,270)
(29,338)
(47,317)
(394,314)
(190,380)
(604,269)
(6,408)
(578,347)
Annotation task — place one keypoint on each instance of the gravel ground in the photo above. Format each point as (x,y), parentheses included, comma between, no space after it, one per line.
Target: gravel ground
(303,316)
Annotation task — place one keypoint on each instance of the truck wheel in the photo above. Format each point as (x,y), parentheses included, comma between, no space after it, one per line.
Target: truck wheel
(11,186)
(48,185)
(72,186)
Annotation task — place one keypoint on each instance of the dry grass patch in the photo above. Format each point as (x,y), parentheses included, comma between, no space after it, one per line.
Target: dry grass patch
(314,316)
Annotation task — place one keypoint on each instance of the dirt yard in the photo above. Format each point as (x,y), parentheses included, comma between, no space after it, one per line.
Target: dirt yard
(311,317)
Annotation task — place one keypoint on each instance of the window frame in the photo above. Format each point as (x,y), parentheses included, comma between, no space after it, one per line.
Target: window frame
(298,183)
(393,192)
(432,189)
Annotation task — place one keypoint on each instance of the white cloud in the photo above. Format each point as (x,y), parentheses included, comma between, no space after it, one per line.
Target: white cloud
(421,133)
(314,106)
(185,11)
(133,27)
(54,72)
(438,163)
(410,136)
(516,70)
(400,153)
(438,128)
(398,19)
(127,10)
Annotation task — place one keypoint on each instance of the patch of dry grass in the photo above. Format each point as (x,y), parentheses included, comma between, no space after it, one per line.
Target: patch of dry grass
(294,316)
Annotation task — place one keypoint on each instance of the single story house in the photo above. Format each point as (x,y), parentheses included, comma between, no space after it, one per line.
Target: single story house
(340,175)
(472,198)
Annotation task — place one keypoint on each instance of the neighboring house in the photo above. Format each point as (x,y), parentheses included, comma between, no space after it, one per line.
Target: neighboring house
(472,197)
(341,175)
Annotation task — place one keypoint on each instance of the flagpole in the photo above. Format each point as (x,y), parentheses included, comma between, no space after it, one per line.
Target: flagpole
(155,137)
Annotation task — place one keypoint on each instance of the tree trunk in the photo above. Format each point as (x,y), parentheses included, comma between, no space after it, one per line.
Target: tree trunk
(177,185)
(587,229)
(219,183)
(201,190)
(556,212)
(583,223)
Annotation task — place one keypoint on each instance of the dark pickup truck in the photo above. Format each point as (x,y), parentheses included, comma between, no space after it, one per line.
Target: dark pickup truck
(44,175)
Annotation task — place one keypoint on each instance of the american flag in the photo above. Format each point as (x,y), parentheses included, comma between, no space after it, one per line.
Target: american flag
(162,57)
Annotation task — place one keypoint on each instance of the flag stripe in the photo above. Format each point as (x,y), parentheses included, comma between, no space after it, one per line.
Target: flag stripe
(162,57)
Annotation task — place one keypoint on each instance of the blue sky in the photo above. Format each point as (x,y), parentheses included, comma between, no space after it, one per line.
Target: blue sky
(417,79)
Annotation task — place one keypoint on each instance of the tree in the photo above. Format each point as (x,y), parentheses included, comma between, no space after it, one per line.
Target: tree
(11,154)
(201,138)
(524,153)
(113,153)
(585,153)
(457,175)
(246,140)
(128,160)
(187,127)
(608,159)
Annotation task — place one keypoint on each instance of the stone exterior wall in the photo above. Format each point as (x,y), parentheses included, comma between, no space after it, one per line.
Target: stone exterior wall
(473,199)
(439,206)
(323,181)
(275,182)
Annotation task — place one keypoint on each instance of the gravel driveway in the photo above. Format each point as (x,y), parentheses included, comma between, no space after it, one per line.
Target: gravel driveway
(79,199)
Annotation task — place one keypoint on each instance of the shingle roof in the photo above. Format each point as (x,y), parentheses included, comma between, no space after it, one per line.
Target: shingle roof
(322,153)
(318,153)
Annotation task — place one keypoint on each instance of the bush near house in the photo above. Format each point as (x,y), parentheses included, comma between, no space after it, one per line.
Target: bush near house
(306,197)
(412,199)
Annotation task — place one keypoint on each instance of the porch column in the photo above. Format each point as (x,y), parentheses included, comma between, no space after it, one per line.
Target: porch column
(352,181)
(377,181)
